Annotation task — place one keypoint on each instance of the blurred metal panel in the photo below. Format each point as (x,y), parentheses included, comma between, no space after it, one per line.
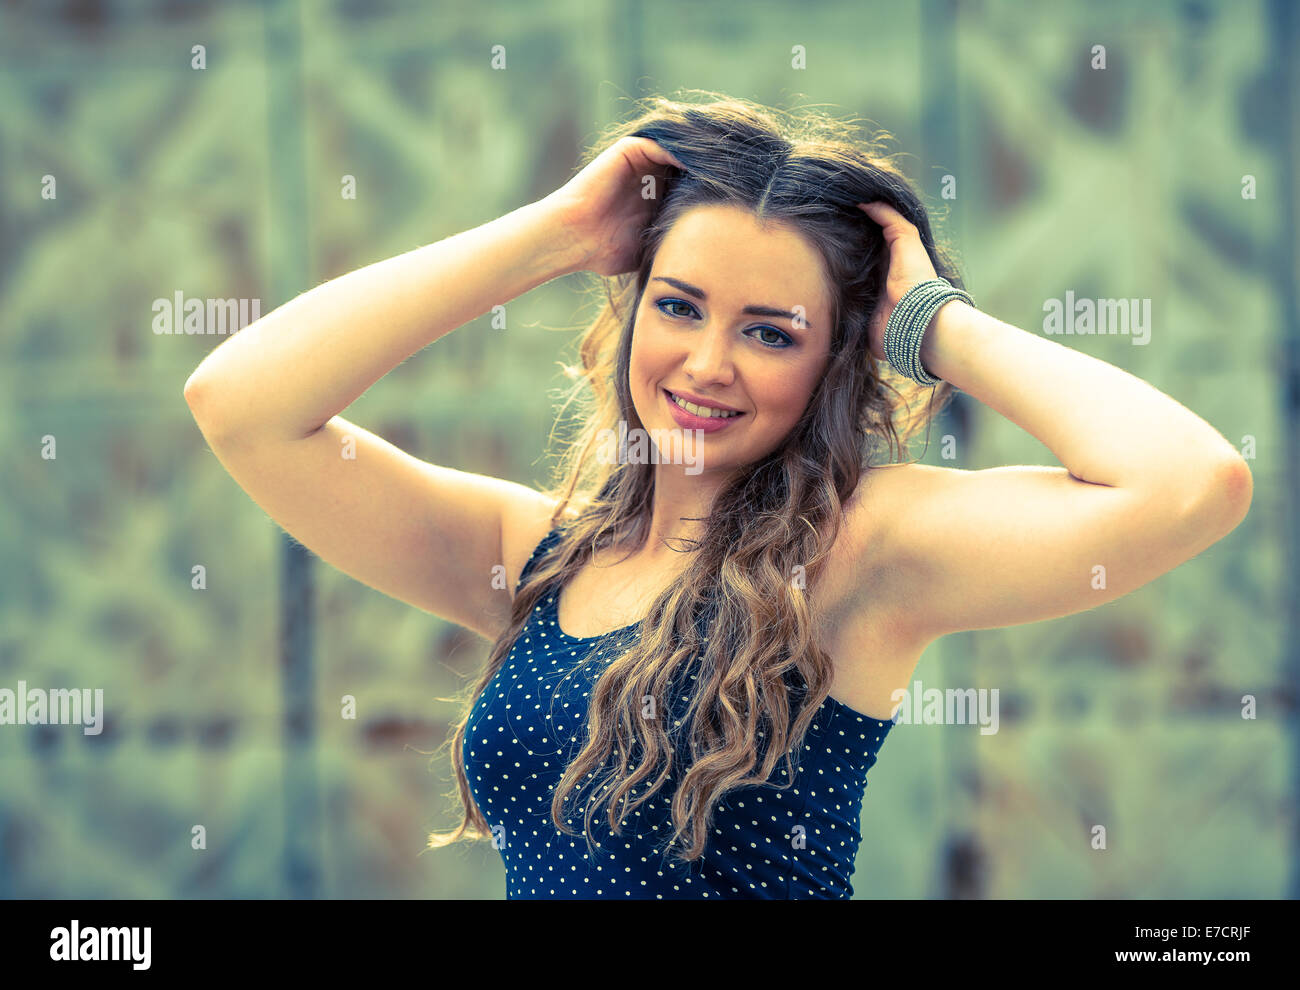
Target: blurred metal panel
(1284,22)
(289,277)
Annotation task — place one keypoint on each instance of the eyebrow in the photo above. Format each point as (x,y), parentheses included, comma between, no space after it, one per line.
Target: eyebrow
(698,293)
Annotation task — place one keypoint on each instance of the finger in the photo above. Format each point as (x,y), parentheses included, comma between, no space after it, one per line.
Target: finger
(893,224)
(879,206)
(658,153)
(884,214)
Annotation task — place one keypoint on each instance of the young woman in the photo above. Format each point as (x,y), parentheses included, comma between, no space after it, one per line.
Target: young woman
(695,657)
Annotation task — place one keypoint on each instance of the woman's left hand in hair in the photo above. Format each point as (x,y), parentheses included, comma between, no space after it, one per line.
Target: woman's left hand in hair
(909,263)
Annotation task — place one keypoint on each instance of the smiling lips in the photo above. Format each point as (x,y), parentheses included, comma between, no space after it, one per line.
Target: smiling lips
(700,408)
(709,422)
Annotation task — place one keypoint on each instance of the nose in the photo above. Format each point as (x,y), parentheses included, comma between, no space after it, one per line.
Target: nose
(709,361)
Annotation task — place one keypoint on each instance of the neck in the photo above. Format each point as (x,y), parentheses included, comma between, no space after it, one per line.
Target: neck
(681,506)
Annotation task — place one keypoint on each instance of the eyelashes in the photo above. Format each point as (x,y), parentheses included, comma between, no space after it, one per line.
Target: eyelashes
(667,301)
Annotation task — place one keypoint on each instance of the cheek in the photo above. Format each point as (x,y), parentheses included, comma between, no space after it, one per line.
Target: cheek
(639,355)
(781,399)
(782,394)
(649,361)
(645,366)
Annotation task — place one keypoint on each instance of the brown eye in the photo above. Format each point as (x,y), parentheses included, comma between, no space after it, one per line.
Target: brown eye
(782,340)
(674,302)
(780,337)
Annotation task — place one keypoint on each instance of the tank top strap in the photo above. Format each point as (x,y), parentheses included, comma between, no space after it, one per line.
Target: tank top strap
(542,548)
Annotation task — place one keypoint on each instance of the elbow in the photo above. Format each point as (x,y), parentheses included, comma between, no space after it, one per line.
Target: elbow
(1225,501)
(1236,488)
(191,392)
(198,399)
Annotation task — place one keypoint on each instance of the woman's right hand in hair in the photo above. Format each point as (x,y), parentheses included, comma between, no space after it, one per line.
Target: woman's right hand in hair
(603,209)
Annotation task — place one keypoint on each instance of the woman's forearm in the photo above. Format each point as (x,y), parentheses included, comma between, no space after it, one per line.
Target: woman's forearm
(290,372)
(1105,425)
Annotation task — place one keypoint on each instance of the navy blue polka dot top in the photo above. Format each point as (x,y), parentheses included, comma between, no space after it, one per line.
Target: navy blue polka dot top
(765,842)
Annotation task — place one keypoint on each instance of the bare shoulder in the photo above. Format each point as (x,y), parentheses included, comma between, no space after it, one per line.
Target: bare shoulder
(863,567)
(884,481)
(523,527)
(882,493)
(885,496)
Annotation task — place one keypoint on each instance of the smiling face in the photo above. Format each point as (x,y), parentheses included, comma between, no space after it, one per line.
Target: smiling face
(733,316)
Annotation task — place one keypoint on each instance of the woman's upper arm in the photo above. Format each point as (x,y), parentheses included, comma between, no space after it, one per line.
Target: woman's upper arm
(1018,544)
(431,536)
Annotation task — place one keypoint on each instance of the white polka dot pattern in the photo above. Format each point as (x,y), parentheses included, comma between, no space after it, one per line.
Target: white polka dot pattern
(530,721)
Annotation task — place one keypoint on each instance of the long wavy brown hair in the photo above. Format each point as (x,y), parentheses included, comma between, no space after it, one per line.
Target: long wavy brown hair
(736,615)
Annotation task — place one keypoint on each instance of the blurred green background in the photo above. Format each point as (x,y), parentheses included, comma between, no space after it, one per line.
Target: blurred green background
(223,704)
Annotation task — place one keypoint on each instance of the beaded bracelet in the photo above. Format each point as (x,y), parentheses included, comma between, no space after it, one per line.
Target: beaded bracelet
(909,321)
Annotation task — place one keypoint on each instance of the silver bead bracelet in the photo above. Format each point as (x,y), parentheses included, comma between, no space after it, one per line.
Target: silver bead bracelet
(910,320)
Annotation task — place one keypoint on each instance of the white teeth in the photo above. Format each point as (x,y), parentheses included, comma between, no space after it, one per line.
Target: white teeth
(703,411)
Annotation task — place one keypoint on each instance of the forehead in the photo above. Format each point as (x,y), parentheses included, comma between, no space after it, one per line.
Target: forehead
(724,250)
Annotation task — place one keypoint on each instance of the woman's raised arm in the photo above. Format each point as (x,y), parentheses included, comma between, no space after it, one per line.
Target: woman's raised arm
(1145,484)
(267,401)
(288,373)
